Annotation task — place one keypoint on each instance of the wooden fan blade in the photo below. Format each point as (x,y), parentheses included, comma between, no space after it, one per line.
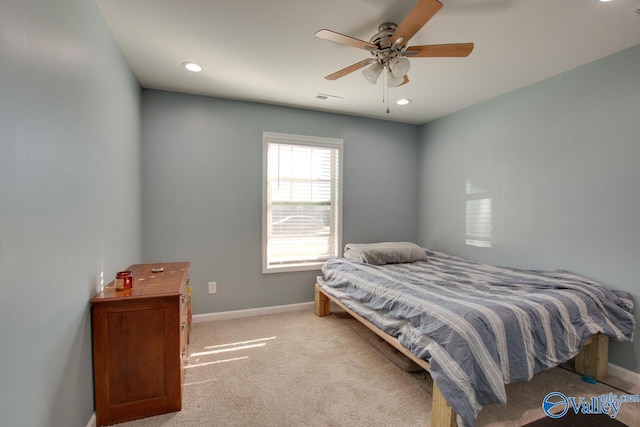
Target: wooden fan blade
(405,80)
(350,69)
(419,15)
(332,36)
(441,50)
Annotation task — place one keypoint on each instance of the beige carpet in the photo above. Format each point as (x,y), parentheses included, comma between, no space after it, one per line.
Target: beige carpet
(295,369)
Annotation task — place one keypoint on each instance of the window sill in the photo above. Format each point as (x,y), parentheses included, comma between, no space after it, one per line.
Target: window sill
(311,266)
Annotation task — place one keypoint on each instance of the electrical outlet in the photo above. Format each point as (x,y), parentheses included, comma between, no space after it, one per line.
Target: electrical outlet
(213,287)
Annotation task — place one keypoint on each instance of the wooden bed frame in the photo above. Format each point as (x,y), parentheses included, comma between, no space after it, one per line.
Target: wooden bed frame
(592,360)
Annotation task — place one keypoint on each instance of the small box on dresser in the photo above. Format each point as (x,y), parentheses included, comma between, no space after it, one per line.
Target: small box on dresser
(140,339)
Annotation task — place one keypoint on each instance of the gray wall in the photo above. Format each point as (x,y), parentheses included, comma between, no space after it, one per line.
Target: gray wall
(69,200)
(559,159)
(202,191)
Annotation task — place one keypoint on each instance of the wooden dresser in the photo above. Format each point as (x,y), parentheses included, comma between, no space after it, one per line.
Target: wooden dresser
(140,339)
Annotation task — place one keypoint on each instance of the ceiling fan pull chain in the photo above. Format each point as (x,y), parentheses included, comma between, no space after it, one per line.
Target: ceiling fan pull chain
(387,89)
(384,84)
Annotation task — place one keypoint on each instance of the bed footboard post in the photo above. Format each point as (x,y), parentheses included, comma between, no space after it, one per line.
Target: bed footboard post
(593,359)
(441,413)
(322,306)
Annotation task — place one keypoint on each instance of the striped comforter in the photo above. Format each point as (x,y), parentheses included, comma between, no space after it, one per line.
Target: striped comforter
(480,326)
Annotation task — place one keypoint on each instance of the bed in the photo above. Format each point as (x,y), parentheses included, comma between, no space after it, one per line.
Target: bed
(475,327)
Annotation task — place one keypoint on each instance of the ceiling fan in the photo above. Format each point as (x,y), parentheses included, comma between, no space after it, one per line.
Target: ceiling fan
(389,49)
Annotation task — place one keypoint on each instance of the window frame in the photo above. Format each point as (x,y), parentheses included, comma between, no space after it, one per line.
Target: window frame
(305,141)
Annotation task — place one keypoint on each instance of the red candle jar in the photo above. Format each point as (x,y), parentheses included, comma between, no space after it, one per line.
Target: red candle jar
(124,280)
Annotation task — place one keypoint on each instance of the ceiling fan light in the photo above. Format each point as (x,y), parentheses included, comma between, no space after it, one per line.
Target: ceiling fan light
(394,81)
(372,73)
(399,66)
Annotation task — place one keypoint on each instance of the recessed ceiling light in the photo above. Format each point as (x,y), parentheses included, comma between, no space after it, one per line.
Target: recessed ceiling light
(403,101)
(192,66)
(604,1)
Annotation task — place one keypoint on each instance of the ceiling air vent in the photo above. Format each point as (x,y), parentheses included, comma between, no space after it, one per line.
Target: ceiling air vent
(635,11)
(325,96)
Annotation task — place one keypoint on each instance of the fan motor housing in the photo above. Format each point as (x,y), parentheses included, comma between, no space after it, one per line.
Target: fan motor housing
(383,37)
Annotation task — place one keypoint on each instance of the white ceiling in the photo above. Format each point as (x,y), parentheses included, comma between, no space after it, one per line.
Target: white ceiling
(265,50)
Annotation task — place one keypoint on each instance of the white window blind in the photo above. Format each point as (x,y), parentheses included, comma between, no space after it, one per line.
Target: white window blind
(301,201)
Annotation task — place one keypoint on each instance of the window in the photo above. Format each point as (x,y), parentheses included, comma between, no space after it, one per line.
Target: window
(301,201)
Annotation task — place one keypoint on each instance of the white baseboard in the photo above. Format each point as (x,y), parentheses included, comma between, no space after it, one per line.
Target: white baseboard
(92,421)
(237,314)
(624,374)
